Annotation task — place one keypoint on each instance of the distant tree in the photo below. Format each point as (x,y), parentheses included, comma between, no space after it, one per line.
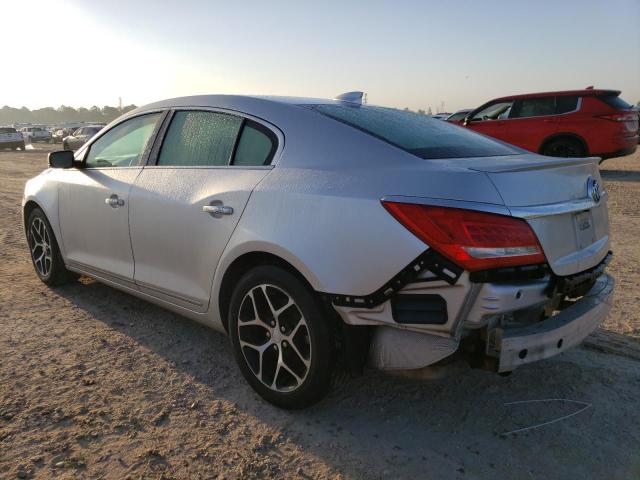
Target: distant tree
(421,112)
(429,112)
(62,114)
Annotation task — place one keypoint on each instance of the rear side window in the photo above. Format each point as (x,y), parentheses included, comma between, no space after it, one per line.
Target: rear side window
(534,107)
(614,101)
(417,134)
(256,146)
(199,139)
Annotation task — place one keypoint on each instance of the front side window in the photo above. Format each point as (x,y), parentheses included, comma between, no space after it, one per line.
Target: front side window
(199,139)
(495,111)
(418,134)
(123,145)
(534,107)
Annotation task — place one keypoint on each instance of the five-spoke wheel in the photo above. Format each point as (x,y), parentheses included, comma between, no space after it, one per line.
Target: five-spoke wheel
(45,254)
(281,340)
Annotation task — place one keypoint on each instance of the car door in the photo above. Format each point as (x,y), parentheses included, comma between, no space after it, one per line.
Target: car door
(492,120)
(531,121)
(94,200)
(185,206)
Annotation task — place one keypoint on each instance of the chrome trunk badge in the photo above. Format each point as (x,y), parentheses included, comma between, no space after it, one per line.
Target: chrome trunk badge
(593,189)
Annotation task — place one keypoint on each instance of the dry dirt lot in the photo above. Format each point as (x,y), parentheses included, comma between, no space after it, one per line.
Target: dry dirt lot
(97,384)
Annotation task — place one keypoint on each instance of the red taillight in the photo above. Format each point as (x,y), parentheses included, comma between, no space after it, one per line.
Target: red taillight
(619,117)
(473,240)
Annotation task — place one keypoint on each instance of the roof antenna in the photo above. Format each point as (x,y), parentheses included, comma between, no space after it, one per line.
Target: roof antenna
(351,97)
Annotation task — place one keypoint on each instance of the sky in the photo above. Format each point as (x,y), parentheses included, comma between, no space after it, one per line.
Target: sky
(415,54)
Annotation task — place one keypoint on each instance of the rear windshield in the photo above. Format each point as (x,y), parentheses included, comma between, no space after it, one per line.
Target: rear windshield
(614,101)
(415,133)
(7,130)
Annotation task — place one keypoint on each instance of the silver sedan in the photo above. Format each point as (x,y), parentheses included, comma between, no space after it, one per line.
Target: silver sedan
(323,234)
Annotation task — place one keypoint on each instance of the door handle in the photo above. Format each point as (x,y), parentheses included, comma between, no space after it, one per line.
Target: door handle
(218,209)
(113,201)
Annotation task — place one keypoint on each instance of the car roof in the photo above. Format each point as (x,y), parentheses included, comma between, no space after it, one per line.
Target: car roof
(582,93)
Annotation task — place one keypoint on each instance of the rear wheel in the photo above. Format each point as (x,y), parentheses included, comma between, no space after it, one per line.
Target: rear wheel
(45,254)
(564,147)
(281,341)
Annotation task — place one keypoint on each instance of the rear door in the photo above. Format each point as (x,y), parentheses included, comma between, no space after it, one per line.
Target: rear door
(94,200)
(185,206)
(532,120)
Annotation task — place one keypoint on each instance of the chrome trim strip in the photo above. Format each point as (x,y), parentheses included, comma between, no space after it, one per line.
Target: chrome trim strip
(562,208)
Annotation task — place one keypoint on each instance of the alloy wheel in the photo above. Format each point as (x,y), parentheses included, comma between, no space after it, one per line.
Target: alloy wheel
(40,245)
(274,338)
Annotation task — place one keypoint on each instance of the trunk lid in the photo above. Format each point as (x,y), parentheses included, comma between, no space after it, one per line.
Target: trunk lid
(556,197)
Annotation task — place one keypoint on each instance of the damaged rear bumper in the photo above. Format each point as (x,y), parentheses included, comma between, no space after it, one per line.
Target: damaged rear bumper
(521,345)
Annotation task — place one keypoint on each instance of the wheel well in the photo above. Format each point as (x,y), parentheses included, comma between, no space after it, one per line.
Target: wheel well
(561,136)
(242,265)
(28,208)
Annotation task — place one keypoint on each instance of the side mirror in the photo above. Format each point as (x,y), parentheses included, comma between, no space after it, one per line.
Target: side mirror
(61,159)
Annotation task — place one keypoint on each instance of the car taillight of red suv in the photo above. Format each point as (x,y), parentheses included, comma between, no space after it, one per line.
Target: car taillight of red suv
(576,123)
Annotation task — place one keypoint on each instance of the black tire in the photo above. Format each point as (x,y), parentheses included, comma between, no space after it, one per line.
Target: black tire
(313,378)
(22,147)
(564,147)
(39,232)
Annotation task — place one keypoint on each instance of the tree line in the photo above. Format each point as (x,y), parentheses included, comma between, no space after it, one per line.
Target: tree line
(62,114)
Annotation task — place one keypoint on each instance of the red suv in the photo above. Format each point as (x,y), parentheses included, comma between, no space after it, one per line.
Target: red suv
(575,123)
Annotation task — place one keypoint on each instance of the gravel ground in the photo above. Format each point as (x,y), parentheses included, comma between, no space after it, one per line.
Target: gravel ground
(97,384)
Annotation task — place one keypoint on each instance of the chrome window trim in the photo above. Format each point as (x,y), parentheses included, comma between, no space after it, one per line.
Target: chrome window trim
(577,109)
(245,116)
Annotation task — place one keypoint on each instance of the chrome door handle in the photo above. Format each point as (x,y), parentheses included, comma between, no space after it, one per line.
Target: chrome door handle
(218,209)
(113,201)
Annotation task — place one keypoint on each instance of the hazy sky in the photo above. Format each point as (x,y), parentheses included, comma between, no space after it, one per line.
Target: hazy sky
(402,53)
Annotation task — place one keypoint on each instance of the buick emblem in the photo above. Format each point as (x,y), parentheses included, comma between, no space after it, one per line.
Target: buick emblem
(593,189)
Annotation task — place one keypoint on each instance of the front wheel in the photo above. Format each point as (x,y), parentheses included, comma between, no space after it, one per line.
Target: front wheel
(564,147)
(281,341)
(45,254)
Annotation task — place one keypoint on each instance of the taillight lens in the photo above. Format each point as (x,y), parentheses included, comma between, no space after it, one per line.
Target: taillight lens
(474,240)
(619,117)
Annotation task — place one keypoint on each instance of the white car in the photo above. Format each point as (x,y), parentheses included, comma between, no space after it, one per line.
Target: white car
(11,138)
(311,230)
(35,134)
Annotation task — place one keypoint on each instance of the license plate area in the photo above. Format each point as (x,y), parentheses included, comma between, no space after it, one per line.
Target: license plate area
(585,232)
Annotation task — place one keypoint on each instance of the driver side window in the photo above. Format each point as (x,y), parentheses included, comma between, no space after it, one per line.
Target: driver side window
(495,111)
(123,145)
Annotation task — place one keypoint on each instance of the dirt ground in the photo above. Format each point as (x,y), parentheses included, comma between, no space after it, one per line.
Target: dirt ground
(97,384)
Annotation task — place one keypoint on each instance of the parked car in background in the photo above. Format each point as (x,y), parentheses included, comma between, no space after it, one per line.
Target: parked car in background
(35,134)
(380,235)
(11,138)
(458,116)
(61,133)
(80,136)
(576,123)
(440,116)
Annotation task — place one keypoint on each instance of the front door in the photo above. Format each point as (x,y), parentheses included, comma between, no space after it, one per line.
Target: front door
(94,200)
(492,120)
(184,209)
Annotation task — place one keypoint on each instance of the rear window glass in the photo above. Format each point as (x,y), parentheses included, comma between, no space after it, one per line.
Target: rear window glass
(7,130)
(415,133)
(614,101)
